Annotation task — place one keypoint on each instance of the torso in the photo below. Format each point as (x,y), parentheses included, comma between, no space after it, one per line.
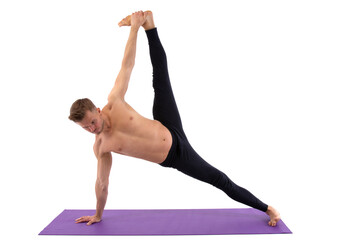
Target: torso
(133,135)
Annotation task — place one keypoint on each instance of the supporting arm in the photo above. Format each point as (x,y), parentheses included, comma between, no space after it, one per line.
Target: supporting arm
(102,182)
(101,188)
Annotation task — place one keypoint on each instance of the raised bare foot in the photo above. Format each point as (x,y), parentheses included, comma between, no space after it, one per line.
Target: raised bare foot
(274,216)
(125,21)
(149,23)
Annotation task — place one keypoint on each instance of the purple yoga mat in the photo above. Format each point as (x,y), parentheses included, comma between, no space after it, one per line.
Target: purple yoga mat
(166,222)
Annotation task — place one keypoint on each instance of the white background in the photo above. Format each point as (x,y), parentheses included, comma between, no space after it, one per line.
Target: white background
(268,92)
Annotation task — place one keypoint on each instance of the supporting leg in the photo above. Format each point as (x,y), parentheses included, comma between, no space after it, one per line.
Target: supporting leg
(198,168)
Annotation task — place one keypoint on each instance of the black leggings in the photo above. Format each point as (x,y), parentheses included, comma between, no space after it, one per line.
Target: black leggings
(181,155)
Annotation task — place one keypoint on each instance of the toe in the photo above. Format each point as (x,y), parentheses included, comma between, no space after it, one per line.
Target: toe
(272,223)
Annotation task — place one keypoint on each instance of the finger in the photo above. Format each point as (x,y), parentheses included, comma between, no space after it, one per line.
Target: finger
(90,222)
(83,219)
(80,221)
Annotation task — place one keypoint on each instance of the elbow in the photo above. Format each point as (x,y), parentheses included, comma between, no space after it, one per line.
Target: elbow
(102,186)
(128,65)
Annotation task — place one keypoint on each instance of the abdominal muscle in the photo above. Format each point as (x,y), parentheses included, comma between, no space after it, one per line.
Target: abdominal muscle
(150,143)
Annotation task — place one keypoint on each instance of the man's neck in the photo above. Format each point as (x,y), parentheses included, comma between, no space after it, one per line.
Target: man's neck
(106,124)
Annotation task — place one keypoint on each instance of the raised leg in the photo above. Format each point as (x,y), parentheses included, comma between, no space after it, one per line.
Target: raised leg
(164,109)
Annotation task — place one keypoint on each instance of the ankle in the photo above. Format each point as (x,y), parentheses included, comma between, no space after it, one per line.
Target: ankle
(149,29)
(269,209)
(147,26)
(149,23)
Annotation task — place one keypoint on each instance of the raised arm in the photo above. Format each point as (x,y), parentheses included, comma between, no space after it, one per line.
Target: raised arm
(101,188)
(128,62)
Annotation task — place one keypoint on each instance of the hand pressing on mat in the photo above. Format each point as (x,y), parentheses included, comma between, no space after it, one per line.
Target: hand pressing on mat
(89,219)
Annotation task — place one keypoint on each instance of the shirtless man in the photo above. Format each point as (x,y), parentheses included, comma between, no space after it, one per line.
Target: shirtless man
(120,129)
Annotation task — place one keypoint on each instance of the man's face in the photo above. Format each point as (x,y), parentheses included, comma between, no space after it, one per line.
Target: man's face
(92,122)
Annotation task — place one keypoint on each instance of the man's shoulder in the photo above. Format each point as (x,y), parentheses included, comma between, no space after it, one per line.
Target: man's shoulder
(99,149)
(96,146)
(114,100)
(115,104)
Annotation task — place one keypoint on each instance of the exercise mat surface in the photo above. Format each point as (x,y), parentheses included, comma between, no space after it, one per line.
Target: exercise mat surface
(166,222)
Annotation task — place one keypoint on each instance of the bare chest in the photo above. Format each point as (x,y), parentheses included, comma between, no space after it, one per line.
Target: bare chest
(133,135)
(120,138)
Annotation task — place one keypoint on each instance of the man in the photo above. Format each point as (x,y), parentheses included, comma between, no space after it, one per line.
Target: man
(120,129)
